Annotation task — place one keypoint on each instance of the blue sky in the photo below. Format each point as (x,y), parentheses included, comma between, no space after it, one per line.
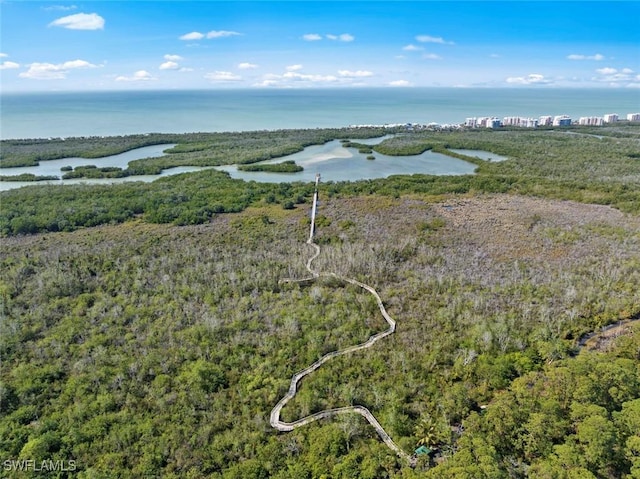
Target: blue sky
(111,45)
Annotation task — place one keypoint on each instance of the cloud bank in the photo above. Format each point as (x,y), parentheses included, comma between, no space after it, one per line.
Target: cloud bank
(222,76)
(51,71)
(531,79)
(9,65)
(139,76)
(597,57)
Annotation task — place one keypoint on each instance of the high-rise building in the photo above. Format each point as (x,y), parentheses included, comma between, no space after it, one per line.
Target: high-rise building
(611,118)
(545,121)
(494,123)
(591,121)
(562,120)
(471,122)
(519,121)
(633,117)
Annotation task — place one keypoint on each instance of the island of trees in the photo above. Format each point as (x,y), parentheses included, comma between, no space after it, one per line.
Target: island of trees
(289,166)
(146,330)
(28,177)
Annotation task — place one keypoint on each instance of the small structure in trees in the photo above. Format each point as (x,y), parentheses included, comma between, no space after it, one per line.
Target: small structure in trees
(422,451)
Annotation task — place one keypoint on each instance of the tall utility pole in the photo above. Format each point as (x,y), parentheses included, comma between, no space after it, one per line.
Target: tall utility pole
(313,209)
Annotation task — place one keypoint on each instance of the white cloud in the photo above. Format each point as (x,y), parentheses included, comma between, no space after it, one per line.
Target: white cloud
(44,71)
(355,74)
(494,55)
(77,64)
(266,84)
(292,78)
(431,56)
(412,48)
(430,39)
(271,77)
(222,77)
(9,65)
(80,21)
(309,78)
(399,83)
(61,8)
(596,57)
(192,36)
(247,66)
(51,71)
(531,79)
(139,76)
(616,77)
(169,66)
(343,37)
(606,71)
(222,34)
(171,62)
(209,35)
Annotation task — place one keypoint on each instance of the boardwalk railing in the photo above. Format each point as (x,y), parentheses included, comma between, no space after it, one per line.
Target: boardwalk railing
(296,378)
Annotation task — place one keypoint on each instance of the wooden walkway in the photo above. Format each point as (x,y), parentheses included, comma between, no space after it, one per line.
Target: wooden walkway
(295,380)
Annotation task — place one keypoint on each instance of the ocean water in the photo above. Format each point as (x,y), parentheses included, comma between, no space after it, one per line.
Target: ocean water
(64,114)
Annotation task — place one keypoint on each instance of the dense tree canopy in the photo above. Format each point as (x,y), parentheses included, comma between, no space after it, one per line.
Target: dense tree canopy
(145,329)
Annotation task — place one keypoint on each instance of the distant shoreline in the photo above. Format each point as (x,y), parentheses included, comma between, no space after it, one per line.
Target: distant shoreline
(384,126)
(115,113)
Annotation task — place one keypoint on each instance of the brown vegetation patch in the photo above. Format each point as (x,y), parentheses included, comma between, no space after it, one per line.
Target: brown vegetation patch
(526,228)
(606,340)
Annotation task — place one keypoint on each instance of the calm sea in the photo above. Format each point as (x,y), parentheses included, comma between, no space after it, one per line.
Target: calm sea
(42,115)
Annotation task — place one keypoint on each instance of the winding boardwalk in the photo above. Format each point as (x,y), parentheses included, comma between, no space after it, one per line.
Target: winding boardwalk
(295,380)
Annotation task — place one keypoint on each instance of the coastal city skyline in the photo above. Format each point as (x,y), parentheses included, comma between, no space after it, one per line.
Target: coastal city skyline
(52,46)
(494,122)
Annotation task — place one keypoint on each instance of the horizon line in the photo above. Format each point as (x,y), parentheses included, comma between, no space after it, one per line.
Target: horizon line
(329,88)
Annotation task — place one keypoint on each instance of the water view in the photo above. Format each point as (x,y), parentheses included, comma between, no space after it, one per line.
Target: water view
(52,168)
(121,160)
(66,114)
(337,163)
(332,160)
